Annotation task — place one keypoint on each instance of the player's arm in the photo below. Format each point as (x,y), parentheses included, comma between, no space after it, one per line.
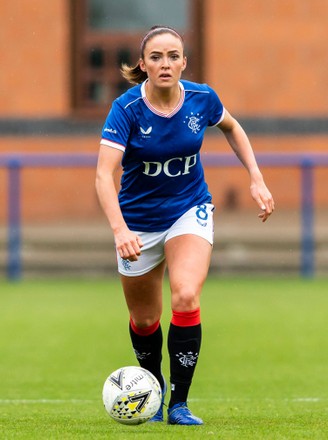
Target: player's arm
(127,243)
(240,144)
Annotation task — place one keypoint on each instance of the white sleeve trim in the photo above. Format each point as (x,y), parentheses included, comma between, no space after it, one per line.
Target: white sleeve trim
(221,118)
(112,144)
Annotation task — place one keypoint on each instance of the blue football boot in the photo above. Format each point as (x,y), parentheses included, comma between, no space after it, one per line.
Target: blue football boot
(159,417)
(180,414)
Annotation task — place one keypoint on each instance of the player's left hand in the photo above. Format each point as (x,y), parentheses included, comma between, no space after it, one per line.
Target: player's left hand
(263,198)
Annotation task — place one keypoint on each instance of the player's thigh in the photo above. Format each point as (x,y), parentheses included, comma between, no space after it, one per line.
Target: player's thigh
(188,258)
(143,295)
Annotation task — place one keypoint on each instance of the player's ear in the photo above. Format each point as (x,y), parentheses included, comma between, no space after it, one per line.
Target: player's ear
(142,65)
(184,65)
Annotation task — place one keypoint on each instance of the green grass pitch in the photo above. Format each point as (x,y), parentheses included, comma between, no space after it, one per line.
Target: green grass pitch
(262,373)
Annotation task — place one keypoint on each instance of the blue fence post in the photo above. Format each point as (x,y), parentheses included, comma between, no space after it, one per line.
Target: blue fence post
(14,266)
(308,240)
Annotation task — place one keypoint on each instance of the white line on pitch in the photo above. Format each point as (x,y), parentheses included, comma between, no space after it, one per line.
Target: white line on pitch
(53,401)
(218,399)
(265,399)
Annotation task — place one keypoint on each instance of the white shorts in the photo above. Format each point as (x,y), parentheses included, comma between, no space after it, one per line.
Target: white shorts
(197,221)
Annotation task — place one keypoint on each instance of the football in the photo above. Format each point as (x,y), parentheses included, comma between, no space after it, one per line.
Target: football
(131,395)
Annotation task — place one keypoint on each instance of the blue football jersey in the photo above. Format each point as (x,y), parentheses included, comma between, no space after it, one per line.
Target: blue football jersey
(162,173)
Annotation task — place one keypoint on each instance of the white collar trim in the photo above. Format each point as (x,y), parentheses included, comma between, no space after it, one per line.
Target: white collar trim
(157,112)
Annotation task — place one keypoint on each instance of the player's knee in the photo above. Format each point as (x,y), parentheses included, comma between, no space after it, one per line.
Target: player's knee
(145,321)
(185,298)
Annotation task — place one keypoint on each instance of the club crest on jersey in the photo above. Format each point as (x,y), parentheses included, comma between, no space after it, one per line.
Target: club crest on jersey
(146,133)
(193,122)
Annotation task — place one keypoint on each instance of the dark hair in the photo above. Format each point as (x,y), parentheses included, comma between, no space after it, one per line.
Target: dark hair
(134,74)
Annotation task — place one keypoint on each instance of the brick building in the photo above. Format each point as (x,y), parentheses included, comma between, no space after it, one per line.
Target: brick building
(60,70)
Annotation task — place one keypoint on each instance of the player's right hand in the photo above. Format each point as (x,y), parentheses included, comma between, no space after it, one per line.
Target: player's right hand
(128,245)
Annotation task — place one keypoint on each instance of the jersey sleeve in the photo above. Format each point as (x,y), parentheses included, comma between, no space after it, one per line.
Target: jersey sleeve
(117,127)
(216,109)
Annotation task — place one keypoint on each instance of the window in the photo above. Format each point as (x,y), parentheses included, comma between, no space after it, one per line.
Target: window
(107,33)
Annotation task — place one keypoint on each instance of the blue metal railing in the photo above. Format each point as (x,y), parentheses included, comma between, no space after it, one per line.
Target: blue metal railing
(306,162)
(14,163)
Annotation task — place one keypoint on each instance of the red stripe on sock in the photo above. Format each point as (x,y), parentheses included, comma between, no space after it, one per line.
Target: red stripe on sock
(144,331)
(186,319)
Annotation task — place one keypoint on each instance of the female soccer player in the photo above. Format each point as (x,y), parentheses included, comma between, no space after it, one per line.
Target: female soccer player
(163,215)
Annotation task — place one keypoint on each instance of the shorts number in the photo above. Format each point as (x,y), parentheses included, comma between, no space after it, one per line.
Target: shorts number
(201,212)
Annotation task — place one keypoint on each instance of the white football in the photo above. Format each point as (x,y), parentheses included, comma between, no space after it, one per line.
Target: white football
(132,395)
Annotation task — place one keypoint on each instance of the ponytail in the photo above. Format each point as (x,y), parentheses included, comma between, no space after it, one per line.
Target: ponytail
(133,74)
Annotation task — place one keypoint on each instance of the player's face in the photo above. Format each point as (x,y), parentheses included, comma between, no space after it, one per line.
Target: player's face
(163,60)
